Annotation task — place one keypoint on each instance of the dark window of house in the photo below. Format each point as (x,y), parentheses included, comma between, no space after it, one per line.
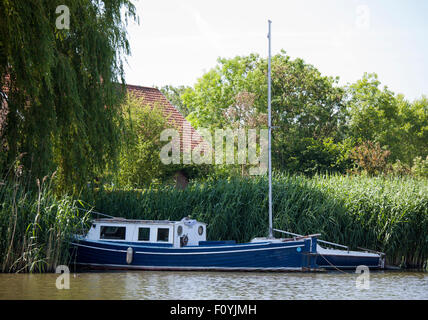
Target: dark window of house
(112,233)
(143,234)
(163,234)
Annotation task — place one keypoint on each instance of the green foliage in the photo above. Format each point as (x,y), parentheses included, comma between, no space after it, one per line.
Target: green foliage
(303,100)
(63,98)
(173,94)
(140,164)
(308,112)
(307,109)
(385,214)
(372,111)
(420,167)
(317,123)
(379,116)
(218,89)
(311,156)
(413,129)
(398,169)
(36,227)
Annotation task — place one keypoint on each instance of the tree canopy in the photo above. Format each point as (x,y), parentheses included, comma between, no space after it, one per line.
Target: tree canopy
(319,126)
(62,86)
(307,108)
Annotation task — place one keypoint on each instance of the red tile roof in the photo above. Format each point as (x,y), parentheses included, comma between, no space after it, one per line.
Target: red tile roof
(155,98)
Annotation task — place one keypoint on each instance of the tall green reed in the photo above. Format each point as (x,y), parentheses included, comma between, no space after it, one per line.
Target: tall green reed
(36,226)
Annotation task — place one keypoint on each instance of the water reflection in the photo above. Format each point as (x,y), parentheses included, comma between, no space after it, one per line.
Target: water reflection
(215,285)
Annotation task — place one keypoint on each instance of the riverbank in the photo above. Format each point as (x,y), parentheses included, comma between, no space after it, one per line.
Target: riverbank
(381,213)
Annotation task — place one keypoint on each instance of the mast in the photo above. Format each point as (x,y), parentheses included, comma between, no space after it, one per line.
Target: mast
(270,134)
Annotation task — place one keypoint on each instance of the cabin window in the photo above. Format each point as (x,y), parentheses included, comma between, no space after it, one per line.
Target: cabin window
(143,234)
(163,234)
(112,233)
(200,230)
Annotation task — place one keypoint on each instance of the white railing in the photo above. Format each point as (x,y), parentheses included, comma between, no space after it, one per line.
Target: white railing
(319,240)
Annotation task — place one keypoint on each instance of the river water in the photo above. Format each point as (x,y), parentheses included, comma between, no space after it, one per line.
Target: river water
(165,285)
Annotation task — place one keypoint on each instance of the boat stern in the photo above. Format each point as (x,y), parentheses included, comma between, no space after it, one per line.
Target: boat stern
(309,261)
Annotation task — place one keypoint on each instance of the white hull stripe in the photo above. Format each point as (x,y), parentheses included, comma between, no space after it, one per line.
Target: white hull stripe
(344,267)
(357,254)
(105,249)
(139,245)
(335,255)
(187,253)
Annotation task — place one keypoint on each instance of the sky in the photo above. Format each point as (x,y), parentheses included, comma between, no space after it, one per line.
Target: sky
(176,41)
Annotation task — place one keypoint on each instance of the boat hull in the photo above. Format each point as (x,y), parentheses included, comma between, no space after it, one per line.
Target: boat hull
(351,260)
(286,256)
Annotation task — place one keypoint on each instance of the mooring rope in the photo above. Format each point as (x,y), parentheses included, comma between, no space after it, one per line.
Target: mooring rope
(333,264)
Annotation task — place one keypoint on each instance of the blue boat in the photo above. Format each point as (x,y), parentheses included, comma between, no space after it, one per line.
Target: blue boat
(117,243)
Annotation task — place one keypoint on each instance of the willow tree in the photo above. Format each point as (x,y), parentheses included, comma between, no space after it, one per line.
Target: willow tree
(60,67)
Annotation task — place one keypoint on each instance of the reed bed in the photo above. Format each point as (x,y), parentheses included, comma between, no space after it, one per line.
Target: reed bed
(381,213)
(36,227)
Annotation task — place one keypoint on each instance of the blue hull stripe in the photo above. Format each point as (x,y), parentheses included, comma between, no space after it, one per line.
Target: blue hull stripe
(187,253)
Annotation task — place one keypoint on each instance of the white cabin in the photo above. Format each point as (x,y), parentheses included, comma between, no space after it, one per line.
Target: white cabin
(177,234)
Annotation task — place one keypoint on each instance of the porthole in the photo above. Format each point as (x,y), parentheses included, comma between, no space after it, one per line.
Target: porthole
(179,230)
(200,230)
